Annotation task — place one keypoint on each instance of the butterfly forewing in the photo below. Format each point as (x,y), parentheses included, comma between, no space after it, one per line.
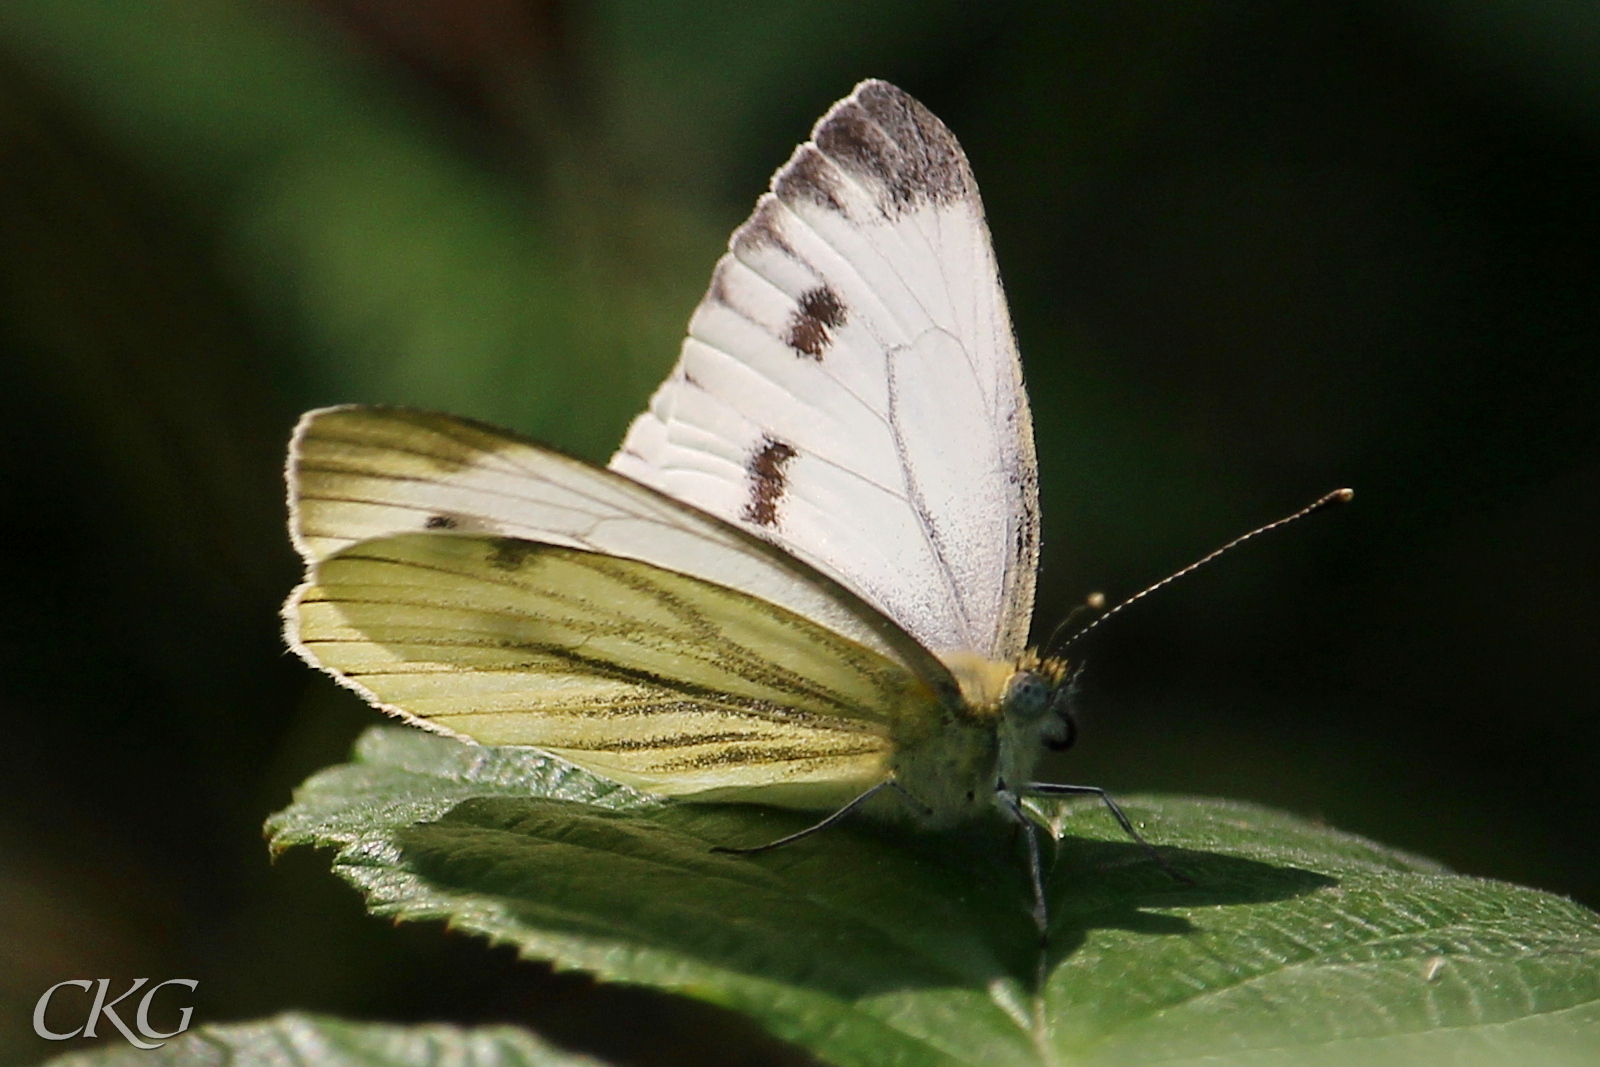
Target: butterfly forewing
(850,390)
(647,676)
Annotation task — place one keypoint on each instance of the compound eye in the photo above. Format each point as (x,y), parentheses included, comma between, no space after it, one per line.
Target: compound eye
(1027,694)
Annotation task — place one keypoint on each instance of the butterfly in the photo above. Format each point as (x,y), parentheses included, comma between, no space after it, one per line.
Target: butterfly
(806,579)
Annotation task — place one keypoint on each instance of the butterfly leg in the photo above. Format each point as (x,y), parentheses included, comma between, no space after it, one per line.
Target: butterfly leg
(825,823)
(1053,789)
(1011,806)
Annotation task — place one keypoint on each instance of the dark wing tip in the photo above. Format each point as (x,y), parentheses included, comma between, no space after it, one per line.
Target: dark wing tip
(879,138)
(884,138)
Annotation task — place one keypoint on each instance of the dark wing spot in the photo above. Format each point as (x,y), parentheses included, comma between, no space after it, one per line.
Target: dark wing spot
(820,310)
(767,480)
(823,305)
(459,523)
(510,553)
(883,136)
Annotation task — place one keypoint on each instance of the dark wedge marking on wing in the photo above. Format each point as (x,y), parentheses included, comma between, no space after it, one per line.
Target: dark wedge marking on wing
(718,291)
(767,480)
(820,310)
(809,176)
(762,229)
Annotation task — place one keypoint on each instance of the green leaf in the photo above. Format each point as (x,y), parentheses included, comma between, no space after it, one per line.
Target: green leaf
(882,945)
(296,1040)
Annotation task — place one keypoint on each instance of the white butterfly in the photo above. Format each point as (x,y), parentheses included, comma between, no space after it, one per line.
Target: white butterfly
(808,574)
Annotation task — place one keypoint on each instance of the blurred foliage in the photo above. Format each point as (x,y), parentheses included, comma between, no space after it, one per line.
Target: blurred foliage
(1254,251)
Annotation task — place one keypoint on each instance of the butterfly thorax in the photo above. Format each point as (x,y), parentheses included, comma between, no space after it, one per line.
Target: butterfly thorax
(1011,711)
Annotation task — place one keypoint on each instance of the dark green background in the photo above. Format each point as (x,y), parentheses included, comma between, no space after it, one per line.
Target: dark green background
(1254,250)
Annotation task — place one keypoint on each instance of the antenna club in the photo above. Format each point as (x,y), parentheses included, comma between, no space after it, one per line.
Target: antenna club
(1338,496)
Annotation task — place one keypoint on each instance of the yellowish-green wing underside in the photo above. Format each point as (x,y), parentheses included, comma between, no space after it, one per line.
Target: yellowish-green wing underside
(357,473)
(647,676)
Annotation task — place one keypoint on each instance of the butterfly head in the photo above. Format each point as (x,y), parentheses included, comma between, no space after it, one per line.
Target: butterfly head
(1037,703)
(1035,713)
(1026,701)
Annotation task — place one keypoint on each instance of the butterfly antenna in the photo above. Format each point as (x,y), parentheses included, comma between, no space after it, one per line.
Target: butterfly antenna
(1338,496)
(1092,602)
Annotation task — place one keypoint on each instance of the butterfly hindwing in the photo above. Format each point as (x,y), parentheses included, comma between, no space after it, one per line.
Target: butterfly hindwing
(850,390)
(646,676)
